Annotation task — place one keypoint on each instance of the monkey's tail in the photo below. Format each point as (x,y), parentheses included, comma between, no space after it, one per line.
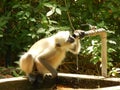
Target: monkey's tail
(27,63)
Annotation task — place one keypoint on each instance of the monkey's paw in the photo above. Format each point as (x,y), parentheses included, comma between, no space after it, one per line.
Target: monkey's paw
(79,33)
(49,81)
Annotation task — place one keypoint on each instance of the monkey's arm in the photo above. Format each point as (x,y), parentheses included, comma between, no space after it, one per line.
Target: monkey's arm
(75,47)
(49,67)
(46,54)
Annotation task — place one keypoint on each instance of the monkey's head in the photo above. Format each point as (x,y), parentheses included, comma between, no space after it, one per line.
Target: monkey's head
(63,38)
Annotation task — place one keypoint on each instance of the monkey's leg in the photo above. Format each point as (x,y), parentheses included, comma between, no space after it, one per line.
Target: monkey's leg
(51,81)
(40,58)
(28,66)
(50,68)
(33,75)
(27,63)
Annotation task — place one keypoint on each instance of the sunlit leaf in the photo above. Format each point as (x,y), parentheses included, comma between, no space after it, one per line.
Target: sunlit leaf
(40,30)
(27,14)
(58,11)
(48,5)
(90,49)
(111,50)
(50,13)
(16,6)
(20,13)
(111,42)
(1,35)
(32,19)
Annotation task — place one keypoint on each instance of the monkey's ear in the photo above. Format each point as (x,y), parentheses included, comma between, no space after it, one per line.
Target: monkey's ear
(57,43)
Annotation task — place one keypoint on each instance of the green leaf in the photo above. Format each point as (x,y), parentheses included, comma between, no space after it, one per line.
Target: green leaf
(1,35)
(110,50)
(20,13)
(33,19)
(15,74)
(27,14)
(58,11)
(48,5)
(101,24)
(40,30)
(50,13)
(112,42)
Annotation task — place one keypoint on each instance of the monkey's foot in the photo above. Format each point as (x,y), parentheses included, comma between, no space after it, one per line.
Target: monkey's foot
(32,78)
(50,82)
(39,78)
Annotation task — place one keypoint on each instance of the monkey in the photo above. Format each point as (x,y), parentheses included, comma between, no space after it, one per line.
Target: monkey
(47,54)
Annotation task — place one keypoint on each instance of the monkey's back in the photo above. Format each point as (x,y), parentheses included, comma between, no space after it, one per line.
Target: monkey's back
(39,46)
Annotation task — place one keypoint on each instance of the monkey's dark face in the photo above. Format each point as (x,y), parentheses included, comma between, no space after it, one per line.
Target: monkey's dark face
(64,39)
(71,39)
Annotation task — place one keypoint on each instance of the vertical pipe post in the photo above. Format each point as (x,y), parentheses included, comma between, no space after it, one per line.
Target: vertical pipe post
(104,53)
(103,35)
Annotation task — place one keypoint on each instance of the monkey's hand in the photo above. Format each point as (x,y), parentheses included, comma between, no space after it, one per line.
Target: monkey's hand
(79,34)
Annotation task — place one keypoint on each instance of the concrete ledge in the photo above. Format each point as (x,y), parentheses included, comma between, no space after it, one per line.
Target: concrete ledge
(67,80)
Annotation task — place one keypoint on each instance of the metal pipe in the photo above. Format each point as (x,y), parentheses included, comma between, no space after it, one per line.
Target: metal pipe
(103,35)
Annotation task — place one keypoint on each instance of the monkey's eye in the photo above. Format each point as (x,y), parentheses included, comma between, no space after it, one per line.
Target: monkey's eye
(71,39)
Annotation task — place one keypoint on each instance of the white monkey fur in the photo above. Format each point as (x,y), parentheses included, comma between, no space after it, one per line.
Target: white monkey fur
(46,49)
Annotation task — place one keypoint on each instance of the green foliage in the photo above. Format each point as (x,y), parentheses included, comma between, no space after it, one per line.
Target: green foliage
(92,48)
(22,22)
(115,72)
